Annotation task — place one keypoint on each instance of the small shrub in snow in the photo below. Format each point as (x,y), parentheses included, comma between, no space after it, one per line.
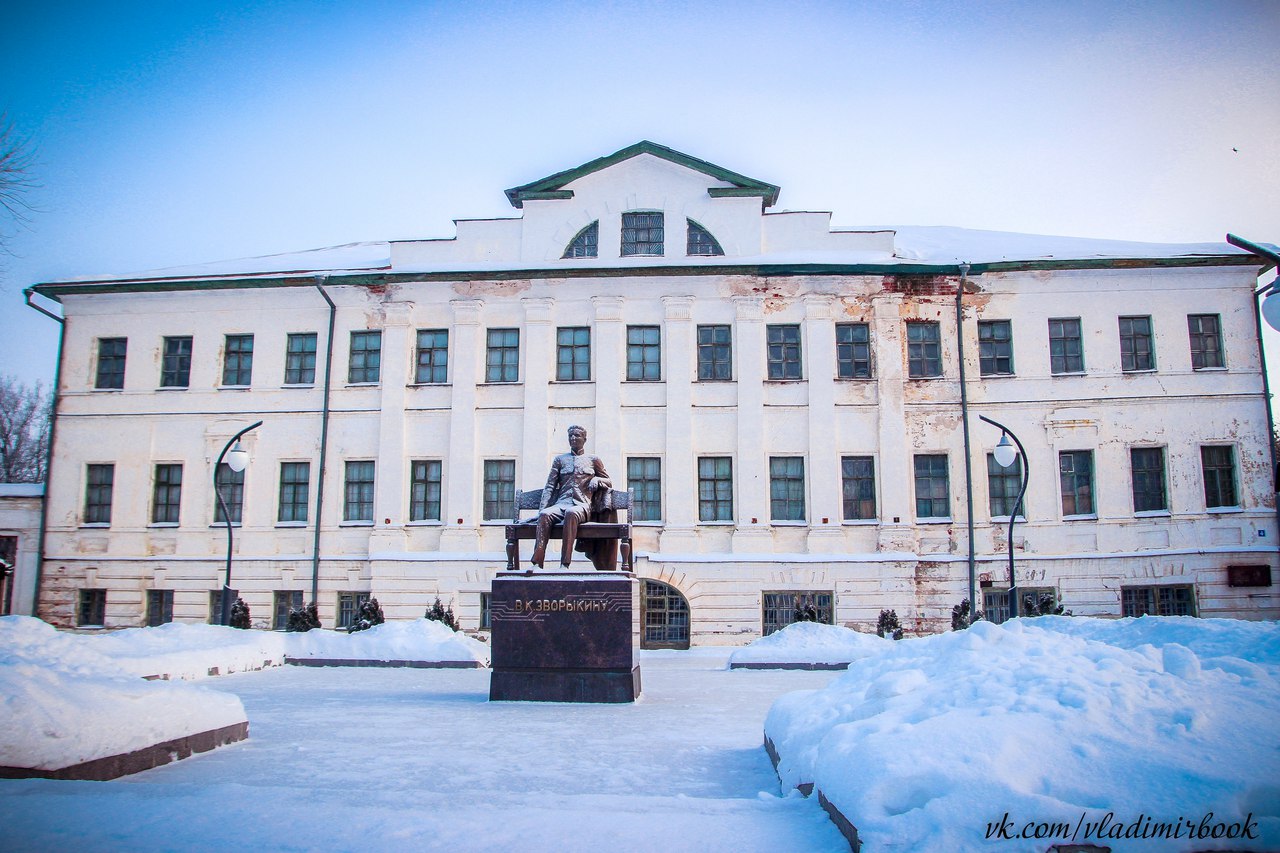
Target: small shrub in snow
(1041,604)
(439,613)
(240,614)
(961,617)
(303,618)
(888,625)
(370,614)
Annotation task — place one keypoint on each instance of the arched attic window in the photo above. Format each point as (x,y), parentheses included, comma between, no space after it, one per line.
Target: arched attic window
(585,243)
(701,242)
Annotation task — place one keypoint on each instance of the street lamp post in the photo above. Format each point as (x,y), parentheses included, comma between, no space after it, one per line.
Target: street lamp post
(1006,455)
(237,459)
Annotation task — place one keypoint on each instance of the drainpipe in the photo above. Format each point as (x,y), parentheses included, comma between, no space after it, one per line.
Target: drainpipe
(964,422)
(48,470)
(324,440)
(1258,295)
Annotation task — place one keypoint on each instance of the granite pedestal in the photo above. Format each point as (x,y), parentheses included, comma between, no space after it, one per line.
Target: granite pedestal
(563,637)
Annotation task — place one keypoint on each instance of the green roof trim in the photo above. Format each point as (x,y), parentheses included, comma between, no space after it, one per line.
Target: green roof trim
(552,195)
(550,186)
(53,290)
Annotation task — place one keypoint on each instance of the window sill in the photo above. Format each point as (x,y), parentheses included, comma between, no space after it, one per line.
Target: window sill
(925,378)
(163,525)
(933,520)
(425,522)
(716,523)
(785,523)
(1209,369)
(298,385)
(234,388)
(513,383)
(860,522)
(1124,372)
(785,381)
(855,378)
(107,390)
(1004,519)
(642,381)
(356,523)
(1070,373)
(362,384)
(653,524)
(715,381)
(96,525)
(1084,517)
(571,382)
(429,385)
(293,525)
(997,376)
(222,525)
(174,388)
(1152,513)
(1224,510)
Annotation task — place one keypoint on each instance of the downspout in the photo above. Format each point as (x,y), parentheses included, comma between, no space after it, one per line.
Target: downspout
(1258,296)
(324,440)
(964,422)
(48,470)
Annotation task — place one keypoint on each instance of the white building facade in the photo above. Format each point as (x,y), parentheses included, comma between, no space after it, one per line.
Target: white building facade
(783,397)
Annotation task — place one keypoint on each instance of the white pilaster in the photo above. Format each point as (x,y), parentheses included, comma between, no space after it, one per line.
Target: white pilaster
(894,460)
(539,343)
(679,477)
(751,467)
(463,472)
(822,469)
(609,345)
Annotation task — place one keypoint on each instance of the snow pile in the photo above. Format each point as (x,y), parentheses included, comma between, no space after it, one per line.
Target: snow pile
(810,643)
(62,702)
(188,651)
(422,640)
(933,742)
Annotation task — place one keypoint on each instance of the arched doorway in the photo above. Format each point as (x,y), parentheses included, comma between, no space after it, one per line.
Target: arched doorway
(664,615)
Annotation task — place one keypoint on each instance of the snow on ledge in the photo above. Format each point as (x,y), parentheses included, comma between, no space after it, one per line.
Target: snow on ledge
(408,643)
(810,645)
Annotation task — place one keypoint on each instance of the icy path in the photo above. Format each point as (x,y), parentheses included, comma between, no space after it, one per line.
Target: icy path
(380,759)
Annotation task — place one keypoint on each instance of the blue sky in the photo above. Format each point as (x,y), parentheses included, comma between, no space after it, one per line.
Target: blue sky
(172,133)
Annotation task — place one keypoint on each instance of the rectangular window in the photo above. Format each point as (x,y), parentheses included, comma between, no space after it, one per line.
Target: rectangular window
(715,488)
(175,367)
(644,354)
(349,607)
(1075,468)
(283,601)
(780,609)
(502,361)
(1218,462)
(644,478)
(92,610)
(295,491)
(433,356)
(1206,340)
(715,353)
(215,606)
(853,351)
(358,499)
(300,359)
(995,602)
(1157,601)
(111,354)
(365,364)
(166,495)
(230,485)
(783,351)
(159,607)
(933,486)
(859,486)
(486,612)
(1137,348)
(1003,485)
(573,354)
(499,489)
(237,360)
(924,350)
(99,483)
(1066,346)
(786,488)
(995,347)
(642,234)
(424,490)
(1148,479)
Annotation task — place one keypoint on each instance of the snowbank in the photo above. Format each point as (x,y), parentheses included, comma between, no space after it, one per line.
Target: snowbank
(188,651)
(422,640)
(932,742)
(809,643)
(63,702)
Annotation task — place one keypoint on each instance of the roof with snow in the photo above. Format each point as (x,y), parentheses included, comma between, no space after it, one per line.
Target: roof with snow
(649,178)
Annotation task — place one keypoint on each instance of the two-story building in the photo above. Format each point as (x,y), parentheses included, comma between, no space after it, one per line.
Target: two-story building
(784,398)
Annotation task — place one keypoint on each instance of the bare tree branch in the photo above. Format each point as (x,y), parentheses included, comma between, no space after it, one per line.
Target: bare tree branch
(25,420)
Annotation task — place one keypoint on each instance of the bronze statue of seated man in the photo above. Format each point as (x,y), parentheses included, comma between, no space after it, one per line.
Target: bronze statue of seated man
(575,492)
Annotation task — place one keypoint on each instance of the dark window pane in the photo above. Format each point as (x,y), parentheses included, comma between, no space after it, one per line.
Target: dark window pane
(859,486)
(781,609)
(715,488)
(1148,479)
(92,609)
(573,354)
(365,364)
(294,491)
(924,350)
(1066,349)
(786,488)
(100,483)
(783,347)
(1219,467)
(644,478)
(167,494)
(665,617)
(424,490)
(585,243)
(237,360)
(644,354)
(433,356)
(159,607)
(995,347)
(1003,485)
(111,357)
(358,497)
(1075,469)
(1137,349)
(701,242)
(230,485)
(853,351)
(300,359)
(1206,340)
(499,489)
(175,369)
(715,353)
(642,234)
(502,356)
(933,489)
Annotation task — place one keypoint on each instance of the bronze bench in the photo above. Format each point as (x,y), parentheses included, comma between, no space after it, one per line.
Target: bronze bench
(527,528)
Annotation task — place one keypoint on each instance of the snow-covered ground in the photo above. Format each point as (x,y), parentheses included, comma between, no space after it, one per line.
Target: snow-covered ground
(1009,729)
(809,643)
(362,759)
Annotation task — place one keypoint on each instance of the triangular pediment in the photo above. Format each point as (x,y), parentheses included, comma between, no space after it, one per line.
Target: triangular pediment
(553,186)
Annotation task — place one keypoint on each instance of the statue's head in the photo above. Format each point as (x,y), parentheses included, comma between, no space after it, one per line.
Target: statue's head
(577,438)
